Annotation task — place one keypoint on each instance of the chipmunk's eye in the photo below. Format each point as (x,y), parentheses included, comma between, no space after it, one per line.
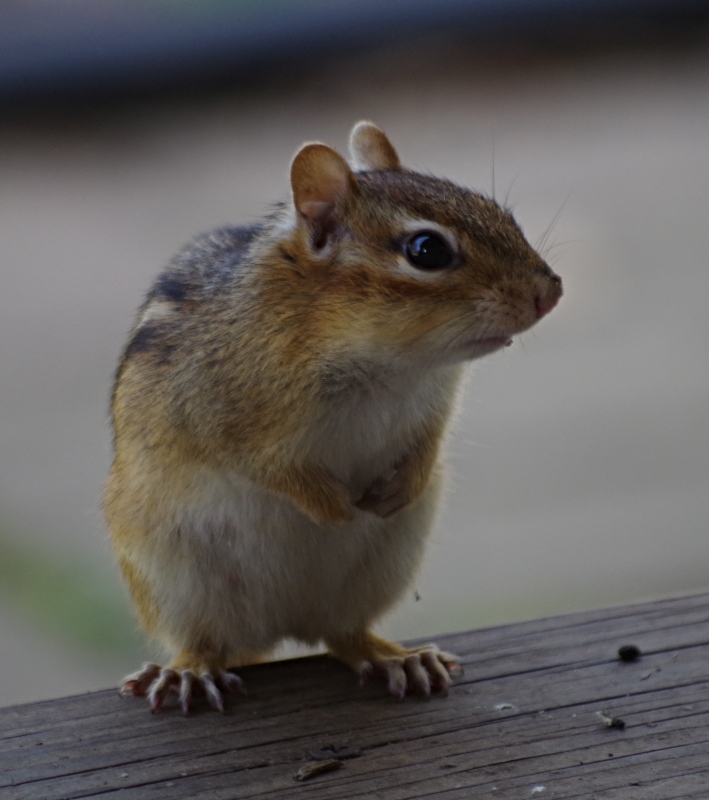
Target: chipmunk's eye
(428,251)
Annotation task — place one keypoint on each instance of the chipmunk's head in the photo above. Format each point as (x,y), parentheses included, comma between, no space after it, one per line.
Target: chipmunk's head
(411,264)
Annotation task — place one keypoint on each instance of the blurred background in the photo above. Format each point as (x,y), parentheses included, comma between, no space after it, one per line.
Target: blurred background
(580,460)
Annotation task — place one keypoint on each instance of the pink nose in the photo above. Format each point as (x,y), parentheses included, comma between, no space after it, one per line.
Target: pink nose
(548,293)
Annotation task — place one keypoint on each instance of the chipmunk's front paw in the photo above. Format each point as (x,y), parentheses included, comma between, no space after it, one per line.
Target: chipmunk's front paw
(162,683)
(388,494)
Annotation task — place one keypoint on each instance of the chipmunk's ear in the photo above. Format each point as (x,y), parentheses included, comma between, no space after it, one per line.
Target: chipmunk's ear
(320,179)
(370,149)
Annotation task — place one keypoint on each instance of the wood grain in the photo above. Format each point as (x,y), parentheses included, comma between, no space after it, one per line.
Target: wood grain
(521,723)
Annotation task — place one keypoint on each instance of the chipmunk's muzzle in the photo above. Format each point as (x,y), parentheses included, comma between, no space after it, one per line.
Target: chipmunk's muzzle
(548,292)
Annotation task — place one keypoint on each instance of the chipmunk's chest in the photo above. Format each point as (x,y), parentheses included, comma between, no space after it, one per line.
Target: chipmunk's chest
(359,434)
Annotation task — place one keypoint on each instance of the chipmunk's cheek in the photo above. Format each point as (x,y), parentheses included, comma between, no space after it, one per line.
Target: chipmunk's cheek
(475,343)
(478,347)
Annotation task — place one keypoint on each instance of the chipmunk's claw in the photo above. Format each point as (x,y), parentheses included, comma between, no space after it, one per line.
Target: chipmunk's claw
(160,684)
(420,671)
(138,683)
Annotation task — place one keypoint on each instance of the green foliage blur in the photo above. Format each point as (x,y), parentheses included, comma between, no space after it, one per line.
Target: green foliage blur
(73,600)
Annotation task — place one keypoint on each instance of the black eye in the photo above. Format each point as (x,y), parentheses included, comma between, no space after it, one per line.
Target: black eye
(428,251)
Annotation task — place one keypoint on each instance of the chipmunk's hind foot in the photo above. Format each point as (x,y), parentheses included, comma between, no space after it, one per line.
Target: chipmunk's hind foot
(182,683)
(417,670)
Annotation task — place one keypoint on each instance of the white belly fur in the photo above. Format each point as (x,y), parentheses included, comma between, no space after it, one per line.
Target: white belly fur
(247,569)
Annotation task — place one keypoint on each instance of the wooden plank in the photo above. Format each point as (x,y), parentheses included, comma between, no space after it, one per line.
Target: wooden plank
(521,723)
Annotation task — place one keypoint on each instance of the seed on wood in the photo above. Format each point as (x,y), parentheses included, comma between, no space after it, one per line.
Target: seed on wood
(610,721)
(317,768)
(505,707)
(629,652)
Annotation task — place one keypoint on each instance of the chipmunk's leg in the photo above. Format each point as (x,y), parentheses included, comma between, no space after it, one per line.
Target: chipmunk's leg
(314,491)
(414,669)
(191,673)
(199,669)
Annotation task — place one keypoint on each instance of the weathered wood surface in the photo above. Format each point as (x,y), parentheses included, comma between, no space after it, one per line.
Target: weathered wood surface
(521,723)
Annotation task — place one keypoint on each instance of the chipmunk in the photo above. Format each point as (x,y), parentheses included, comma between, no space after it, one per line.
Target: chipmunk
(279,410)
